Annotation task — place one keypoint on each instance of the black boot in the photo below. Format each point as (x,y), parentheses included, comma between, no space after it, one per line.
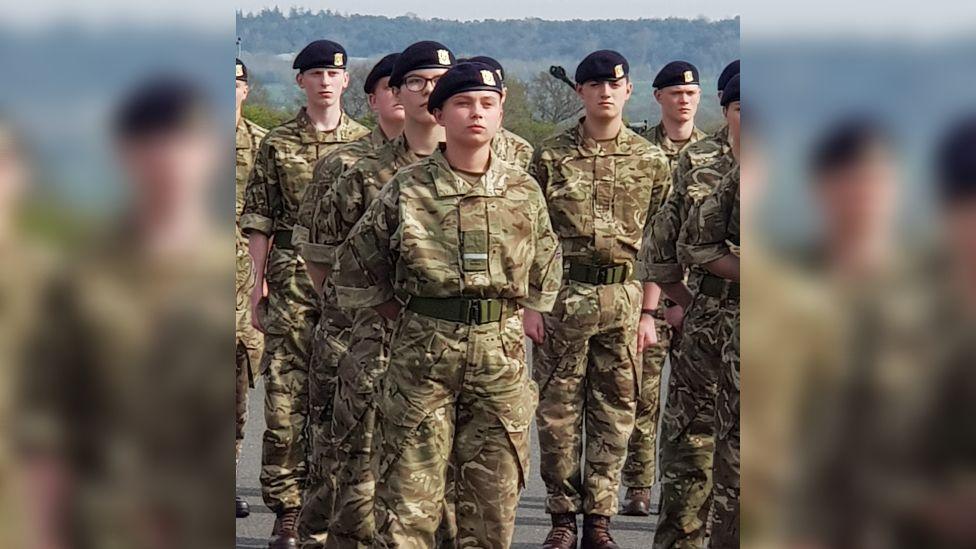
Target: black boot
(243,509)
(563,532)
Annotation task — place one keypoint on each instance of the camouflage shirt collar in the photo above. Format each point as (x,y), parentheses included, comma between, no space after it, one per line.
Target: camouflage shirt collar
(243,134)
(449,183)
(402,155)
(660,136)
(310,135)
(377,138)
(587,146)
(722,134)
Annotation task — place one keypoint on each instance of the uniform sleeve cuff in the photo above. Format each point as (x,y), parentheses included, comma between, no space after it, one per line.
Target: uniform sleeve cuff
(256,222)
(318,253)
(539,301)
(663,273)
(359,298)
(702,254)
(299,235)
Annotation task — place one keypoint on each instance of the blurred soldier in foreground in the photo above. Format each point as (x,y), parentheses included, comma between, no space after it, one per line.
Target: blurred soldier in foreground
(331,338)
(289,312)
(602,182)
(687,437)
(413,76)
(678,92)
(250,341)
(468,240)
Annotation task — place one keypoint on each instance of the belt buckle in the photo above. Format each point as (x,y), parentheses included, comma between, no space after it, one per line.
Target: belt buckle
(613,274)
(474,311)
(480,311)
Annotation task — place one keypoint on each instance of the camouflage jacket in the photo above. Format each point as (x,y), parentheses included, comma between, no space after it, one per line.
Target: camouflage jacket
(700,169)
(431,233)
(711,230)
(659,136)
(283,169)
(600,195)
(313,209)
(248,136)
(511,148)
(356,189)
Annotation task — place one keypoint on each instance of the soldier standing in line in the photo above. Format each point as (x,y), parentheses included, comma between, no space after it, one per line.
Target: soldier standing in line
(467,239)
(418,67)
(678,92)
(250,341)
(331,337)
(601,181)
(289,312)
(687,437)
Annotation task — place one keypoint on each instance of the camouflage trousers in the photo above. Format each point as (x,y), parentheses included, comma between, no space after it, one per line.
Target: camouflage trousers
(640,468)
(249,342)
(587,370)
(242,384)
(291,315)
(688,428)
(460,395)
(353,422)
(725,507)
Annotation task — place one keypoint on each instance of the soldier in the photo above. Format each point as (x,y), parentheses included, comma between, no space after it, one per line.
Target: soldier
(330,339)
(468,241)
(601,181)
(687,437)
(249,340)
(507,145)
(418,66)
(290,310)
(710,239)
(678,92)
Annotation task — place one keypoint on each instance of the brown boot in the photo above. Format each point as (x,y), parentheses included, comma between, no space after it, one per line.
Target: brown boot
(637,502)
(596,533)
(563,532)
(285,530)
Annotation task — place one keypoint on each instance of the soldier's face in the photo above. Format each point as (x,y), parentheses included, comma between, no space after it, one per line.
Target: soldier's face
(679,102)
(384,102)
(605,100)
(415,102)
(471,118)
(323,87)
(241,91)
(732,112)
(858,200)
(172,166)
(961,232)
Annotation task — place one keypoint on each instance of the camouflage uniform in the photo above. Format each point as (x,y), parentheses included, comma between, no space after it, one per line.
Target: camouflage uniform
(249,341)
(639,469)
(354,417)
(687,438)
(454,391)
(599,197)
(281,173)
(711,232)
(511,148)
(329,340)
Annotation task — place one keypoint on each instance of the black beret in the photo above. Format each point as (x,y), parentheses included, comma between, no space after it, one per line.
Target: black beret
(380,70)
(676,73)
(955,161)
(491,62)
(421,55)
(728,72)
(602,65)
(847,142)
(241,70)
(731,92)
(159,105)
(464,77)
(321,54)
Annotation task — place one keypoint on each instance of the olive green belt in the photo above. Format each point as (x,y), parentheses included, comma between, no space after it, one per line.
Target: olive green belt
(719,288)
(598,274)
(459,309)
(282,239)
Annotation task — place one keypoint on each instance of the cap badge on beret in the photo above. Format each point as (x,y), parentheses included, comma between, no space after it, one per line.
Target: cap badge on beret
(240,71)
(444,57)
(488,78)
(337,59)
(689,76)
(618,71)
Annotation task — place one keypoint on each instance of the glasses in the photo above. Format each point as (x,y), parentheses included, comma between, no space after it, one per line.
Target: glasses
(419,83)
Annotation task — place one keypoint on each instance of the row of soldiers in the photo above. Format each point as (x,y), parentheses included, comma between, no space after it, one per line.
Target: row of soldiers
(393,275)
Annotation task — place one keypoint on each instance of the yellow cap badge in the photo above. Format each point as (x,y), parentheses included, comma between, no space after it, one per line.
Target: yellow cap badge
(443,57)
(488,78)
(689,76)
(618,71)
(240,71)
(337,61)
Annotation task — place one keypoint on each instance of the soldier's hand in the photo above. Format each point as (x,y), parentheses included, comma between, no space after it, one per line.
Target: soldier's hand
(259,292)
(533,326)
(675,316)
(646,333)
